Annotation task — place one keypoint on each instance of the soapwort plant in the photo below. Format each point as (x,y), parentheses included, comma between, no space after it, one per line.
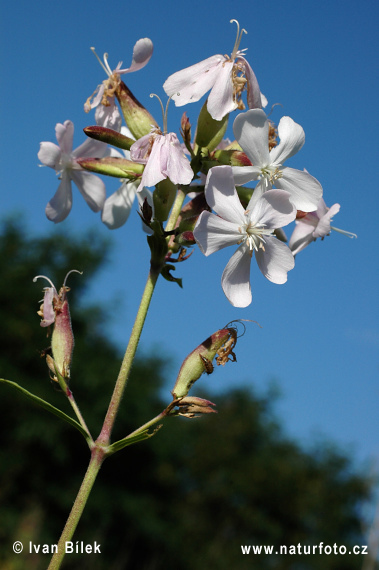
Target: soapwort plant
(191,193)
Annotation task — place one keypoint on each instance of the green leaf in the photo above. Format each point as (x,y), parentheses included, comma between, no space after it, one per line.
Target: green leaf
(129,440)
(47,406)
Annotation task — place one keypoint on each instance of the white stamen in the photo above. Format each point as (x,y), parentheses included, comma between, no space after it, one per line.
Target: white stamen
(104,65)
(238,39)
(72,271)
(344,232)
(43,277)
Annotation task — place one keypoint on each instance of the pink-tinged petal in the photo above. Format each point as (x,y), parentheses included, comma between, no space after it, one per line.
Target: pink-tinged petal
(90,147)
(221,195)
(273,209)
(244,174)
(323,227)
(49,154)
(292,138)
(305,190)
(142,52)
(190,84)
(48,310)
(321,208)
(251,131)
(275,260)
(174,163)
(220,100)
(60,205)
(140,150)
(152,173)
(91,187)
(302,236)
(65,136)
(109,117)
(235,279)
(213,233)
(118,206)
(88,105)
(254,98)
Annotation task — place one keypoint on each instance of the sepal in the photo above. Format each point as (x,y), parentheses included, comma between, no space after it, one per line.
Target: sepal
(112,166)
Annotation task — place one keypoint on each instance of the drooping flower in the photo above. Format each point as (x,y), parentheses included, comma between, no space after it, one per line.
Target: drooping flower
(251,130)
(103,99)
(226,77)
(64,161)
(163,157)
(252,229)
(313,225)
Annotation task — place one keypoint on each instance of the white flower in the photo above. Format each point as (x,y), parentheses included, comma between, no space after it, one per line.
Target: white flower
(163,157)
(251,229)
(314,225)
(64,161)
(226,77)
(118,206)
(107,114)
(251,131)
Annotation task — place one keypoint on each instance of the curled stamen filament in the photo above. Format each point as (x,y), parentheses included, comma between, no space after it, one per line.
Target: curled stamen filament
(238,39)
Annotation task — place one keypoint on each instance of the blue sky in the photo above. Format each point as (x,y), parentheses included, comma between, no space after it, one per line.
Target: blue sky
(320,334)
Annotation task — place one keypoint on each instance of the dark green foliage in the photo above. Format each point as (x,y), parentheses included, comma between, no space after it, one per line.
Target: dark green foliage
(187,498)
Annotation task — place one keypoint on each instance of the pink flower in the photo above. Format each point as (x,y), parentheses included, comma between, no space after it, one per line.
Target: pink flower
(63,160)
(314,225)
(252,230)
(226,77)
(107,113)
(164,158)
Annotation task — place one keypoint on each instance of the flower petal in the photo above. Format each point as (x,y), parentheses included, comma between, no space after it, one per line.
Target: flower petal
(117,207)
(191,83)
(212,233)
(292,138)
(65,136)
(273,209)
(235,279)
(251,131)
(142,52)
(220,100)
(275,260)
(244,174)
(221,195)
(90,147)
(305,190)
(49,154)
(254,98)
(177,166)
(60,205)
(323,227)
(302,236)
(91,187)
(109,116)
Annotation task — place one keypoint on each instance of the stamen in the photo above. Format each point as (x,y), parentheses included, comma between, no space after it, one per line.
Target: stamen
(238,39)
(344,232)
(164,111)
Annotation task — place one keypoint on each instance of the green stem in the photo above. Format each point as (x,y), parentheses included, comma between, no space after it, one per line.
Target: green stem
(97,457)
(176,208)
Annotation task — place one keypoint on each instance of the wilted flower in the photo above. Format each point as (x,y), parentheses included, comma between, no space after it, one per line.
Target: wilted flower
(252,230)
(64,161)
(107,113)
(251,130)
(227,77)
(313,225)
(163,157)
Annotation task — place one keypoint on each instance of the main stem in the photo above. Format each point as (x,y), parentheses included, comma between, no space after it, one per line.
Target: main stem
(100,447)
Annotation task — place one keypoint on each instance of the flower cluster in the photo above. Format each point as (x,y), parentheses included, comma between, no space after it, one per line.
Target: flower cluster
(210,169)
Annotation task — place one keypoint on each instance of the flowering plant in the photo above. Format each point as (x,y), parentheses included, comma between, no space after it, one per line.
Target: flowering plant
(190,194)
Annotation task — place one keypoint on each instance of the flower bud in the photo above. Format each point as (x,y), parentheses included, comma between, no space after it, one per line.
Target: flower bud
(209,132)
(112,166)
(231,157)
(192,407)
(199,360)
(55,310)
(109,136)
(137,118)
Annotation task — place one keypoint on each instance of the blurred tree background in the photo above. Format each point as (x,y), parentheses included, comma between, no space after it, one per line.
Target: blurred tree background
(187,498)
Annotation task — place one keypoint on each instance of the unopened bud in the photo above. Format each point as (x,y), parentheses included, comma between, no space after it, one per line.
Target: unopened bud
(209,132)
(55,310)
(112,166)
(200,360)
(137,118)
(109,136)
(231,157)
